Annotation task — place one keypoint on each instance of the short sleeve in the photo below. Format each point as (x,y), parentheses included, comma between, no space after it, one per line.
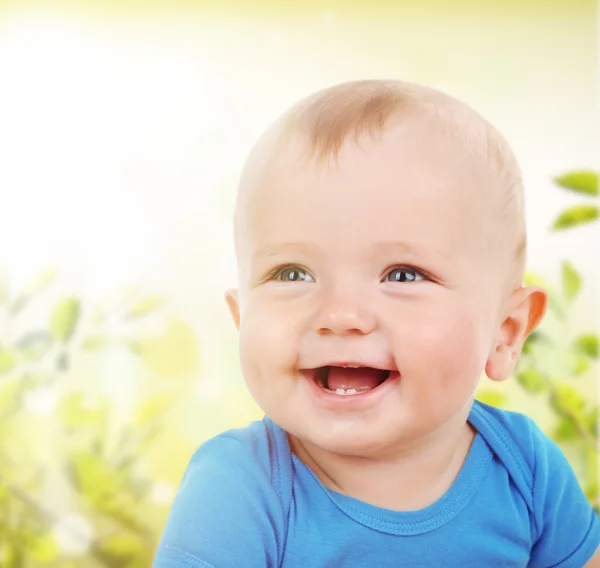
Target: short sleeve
(226,513)
(568,527)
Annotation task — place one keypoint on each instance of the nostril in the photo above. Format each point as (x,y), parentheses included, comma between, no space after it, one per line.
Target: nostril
(345,331)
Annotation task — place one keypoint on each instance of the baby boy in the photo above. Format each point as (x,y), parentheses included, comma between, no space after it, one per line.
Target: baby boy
(380,239)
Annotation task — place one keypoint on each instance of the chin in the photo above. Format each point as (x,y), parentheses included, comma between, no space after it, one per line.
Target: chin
(347,443)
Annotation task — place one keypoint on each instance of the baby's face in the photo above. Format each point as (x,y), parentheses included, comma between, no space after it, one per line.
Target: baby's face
(370,295)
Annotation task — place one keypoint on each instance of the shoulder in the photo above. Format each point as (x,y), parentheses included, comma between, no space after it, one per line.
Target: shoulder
(261,446)
(237,483)
(258,456)
(516,440)
(566,528)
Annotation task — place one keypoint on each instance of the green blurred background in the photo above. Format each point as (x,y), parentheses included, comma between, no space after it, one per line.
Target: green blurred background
(124,126)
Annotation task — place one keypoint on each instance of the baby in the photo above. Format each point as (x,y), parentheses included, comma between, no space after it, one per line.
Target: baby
(380,240)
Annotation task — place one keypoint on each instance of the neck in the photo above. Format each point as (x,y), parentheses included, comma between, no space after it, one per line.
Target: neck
(406,479)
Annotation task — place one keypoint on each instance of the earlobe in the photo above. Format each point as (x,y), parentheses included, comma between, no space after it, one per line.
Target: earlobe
(231,297)
(526,308)
(500,364)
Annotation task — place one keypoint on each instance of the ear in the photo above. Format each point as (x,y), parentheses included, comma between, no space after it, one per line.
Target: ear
(525,309)
(231,297)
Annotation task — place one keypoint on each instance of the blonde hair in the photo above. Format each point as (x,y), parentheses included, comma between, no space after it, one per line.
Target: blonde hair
(327,119)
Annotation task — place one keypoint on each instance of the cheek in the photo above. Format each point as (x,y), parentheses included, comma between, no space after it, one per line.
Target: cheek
(446,344)
(268,337)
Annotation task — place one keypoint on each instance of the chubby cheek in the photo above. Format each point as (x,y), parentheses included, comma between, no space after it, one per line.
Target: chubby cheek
(444,351)
(268,340)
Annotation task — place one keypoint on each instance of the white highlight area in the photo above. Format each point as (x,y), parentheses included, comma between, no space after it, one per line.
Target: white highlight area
(109,139)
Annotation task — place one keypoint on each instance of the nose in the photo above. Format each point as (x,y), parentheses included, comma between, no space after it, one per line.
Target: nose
(345,313)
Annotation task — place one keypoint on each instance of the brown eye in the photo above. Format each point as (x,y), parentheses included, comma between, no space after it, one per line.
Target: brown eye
(404,275)
(294,274)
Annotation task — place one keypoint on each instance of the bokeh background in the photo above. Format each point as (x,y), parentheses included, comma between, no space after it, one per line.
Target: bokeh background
(123,129)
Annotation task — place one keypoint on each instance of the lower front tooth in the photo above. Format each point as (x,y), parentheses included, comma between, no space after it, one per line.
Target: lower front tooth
(345,391)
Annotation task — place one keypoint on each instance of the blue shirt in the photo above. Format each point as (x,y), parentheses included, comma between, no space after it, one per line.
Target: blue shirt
(246,501)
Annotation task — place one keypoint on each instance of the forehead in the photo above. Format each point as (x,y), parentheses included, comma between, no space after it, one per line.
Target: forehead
(410,181)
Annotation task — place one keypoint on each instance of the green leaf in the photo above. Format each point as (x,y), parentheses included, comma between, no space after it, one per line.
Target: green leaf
(590,460)
(566,400)
(92,476)
(579,365)
(576,215)
(531,279)
(591,491)
(43,548)
(120,547)
(535,338)
(531,380)
(571,280)
(151,409)
(582,181)
(565,431)
(144,307)
(64,319)
(35,345)
(492,398)
(587,344)
(7,361)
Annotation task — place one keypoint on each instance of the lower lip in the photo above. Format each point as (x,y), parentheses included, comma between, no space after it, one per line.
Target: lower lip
(353,400)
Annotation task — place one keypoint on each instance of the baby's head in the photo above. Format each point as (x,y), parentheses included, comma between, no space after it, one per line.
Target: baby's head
(380,238)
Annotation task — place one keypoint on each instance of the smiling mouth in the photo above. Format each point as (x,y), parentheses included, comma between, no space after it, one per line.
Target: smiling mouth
(346,380)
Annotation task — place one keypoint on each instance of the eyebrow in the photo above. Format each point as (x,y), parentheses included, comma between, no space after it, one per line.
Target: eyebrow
(272,249)
(414,248)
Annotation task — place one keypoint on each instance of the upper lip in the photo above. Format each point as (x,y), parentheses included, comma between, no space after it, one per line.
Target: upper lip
(354,364)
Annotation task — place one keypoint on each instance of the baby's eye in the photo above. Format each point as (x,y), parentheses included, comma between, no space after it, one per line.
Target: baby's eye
(293,274)
(404,275)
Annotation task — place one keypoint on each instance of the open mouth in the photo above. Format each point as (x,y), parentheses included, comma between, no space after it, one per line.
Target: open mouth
(348,381)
